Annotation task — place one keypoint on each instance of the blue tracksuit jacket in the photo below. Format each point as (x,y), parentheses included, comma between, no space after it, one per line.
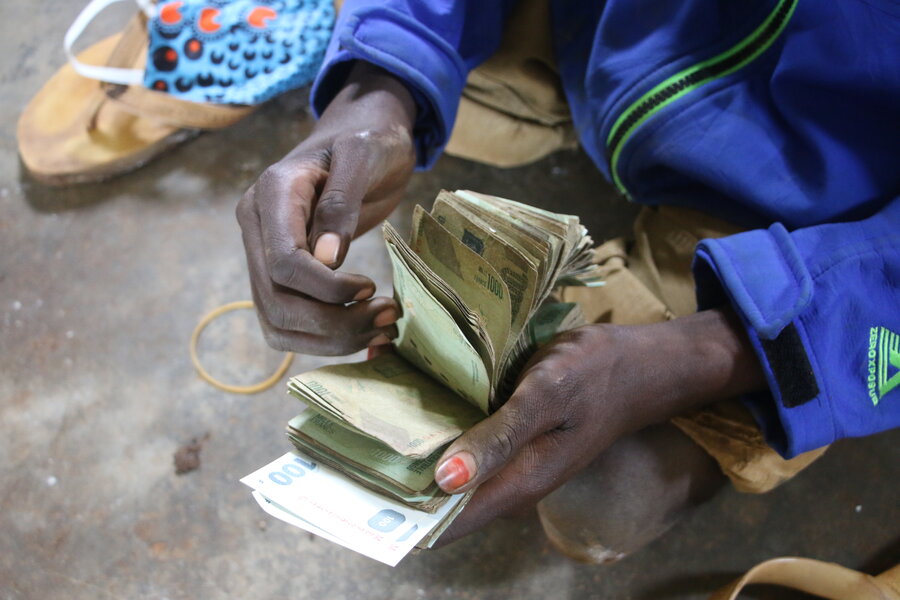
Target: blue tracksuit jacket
(781,115)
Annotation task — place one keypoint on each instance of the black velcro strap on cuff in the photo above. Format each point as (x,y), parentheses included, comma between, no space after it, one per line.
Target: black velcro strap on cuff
(790,365)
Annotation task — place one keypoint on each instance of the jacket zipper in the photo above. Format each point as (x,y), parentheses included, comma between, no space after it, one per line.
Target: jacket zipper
(692,78)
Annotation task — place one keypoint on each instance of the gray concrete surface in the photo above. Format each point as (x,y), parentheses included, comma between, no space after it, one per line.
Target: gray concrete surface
(100,287)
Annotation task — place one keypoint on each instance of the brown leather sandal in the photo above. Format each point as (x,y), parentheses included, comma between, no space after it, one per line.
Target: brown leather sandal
(77,129)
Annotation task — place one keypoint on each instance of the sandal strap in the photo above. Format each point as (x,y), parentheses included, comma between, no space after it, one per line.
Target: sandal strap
(128,53)
(121,74)
(173,111)
(159,106)
(125,54)
(824,579)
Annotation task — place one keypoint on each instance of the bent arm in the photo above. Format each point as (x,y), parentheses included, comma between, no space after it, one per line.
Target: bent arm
(430,45)
(821,307)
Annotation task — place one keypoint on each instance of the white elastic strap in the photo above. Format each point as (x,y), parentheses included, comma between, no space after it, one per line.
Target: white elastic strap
(108,74)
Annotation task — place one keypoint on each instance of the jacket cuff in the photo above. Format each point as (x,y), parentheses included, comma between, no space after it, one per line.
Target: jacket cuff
(431,69)
(762,275)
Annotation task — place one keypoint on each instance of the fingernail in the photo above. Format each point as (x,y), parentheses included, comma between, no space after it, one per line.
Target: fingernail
(327,247)
(379,340)
(386,317)
(363,293)
(454,472)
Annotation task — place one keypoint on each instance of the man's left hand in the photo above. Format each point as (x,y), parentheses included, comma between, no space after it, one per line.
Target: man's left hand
(583,391)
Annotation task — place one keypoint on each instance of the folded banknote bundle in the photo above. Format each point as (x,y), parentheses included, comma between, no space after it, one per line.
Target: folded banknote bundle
(474,285)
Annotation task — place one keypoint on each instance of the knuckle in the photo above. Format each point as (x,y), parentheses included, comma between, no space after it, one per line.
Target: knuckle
(265,189)
(332,290)
(535,486)
(557,378)
(284,270)
(363,326)
(278,316)
(244,208)
(330,296)
(337,345)
(273,174)
(302,321)
(552,393)
(346,347)
(334,203)
(566,380)
(275,340)
(568,391)
(503,440)
(268,312)
(309,156)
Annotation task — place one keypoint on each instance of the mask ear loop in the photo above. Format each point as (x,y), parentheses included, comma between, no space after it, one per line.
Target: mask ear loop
(225,387)
(108,74)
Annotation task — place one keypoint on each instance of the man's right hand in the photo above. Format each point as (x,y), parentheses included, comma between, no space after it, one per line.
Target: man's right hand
(298,219)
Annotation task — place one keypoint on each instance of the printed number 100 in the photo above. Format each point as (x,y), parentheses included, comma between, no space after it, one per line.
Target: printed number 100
(291,471)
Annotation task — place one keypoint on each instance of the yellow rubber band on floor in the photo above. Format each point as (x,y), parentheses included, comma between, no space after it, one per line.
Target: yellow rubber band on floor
(234,389)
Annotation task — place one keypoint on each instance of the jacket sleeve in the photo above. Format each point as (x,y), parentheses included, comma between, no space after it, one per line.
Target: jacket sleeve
(822,307)
(430,44)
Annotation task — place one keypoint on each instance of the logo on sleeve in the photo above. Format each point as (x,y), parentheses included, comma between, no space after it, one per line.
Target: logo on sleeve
(883,362)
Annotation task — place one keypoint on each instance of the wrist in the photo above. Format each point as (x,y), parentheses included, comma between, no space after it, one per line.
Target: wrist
(727,364)
(699,359)
(373,92)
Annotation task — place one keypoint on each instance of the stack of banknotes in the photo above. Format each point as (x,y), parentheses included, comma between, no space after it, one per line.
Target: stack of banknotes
(474,286)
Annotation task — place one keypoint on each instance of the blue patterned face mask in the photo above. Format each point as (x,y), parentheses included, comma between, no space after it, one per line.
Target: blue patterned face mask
(224,51)
(237,51)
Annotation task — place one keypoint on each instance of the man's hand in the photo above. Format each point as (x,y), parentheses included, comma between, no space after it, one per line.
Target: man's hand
(300,215)
(583,391)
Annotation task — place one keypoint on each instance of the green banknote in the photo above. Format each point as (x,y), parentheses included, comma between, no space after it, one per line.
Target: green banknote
(408,474)
(468,321)
(390,400)
(432,340)
(469,274)
(368,461)
(517,270)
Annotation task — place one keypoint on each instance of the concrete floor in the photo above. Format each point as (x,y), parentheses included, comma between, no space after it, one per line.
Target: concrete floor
(100,287)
